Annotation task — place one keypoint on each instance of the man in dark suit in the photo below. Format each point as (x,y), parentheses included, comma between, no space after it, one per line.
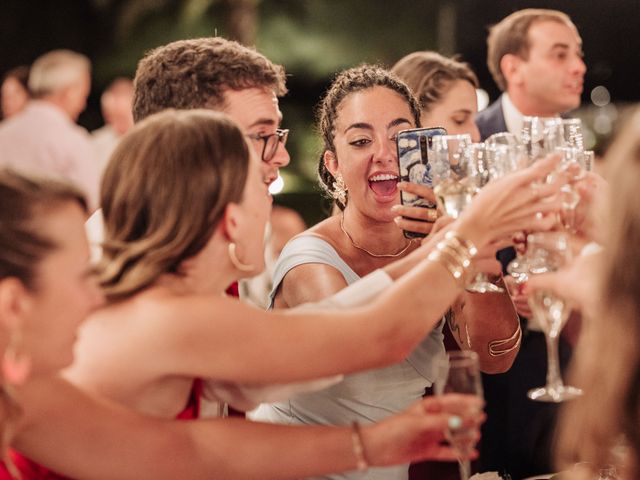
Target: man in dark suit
(535,57)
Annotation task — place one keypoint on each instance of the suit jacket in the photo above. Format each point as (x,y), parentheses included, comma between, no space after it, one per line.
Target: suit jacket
(517,436)
(491,120)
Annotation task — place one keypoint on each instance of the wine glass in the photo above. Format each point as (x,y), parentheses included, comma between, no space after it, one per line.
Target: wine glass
(516,153)
(459,169)
(487,163)
(541,135)
(459,372)
(571,131)
(548,252)
(452,184)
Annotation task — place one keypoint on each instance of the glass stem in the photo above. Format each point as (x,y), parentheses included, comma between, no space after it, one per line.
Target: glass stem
(465,469)
(554,380)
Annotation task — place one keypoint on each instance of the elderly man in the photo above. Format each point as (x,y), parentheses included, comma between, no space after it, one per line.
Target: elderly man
(116,102)
(44,139)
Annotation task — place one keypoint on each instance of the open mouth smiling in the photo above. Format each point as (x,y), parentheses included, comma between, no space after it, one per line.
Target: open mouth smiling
(383,184)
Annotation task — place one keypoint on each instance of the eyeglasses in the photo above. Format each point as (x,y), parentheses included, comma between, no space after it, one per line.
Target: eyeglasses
(271,141)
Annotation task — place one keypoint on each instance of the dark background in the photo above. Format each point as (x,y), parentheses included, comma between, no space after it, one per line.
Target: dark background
(313,39)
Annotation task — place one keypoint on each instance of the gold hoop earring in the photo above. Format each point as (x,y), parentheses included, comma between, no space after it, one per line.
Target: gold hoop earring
(340,191)
(16,363)
(243,267)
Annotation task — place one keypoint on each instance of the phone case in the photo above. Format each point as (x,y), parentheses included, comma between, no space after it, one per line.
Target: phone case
(413,161)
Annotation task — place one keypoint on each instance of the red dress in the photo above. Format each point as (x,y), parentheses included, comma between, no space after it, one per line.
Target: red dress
(4,473)
(30,470)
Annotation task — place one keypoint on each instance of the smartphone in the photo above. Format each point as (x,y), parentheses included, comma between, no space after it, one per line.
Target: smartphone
(413,161)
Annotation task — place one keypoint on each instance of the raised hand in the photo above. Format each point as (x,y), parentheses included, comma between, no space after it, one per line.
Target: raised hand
(418,432)
(416,219)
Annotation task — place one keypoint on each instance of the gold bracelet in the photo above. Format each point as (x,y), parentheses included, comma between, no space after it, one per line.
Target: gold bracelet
(462,242)
(459,255)
(494,345)
(358,448)
(451,264)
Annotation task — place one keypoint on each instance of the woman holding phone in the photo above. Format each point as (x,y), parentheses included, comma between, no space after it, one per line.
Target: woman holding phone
(179,311)
(359,118)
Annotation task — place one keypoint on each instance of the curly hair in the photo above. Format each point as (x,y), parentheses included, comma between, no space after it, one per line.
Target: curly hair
(429,75)
(196,73)
(345,83)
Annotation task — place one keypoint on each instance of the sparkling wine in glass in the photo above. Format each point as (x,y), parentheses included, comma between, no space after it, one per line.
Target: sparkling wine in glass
(487,163)
(453,186)
(548,252)
(541,135)
(459,372)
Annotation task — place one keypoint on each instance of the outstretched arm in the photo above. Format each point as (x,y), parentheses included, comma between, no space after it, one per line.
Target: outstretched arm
(84,437)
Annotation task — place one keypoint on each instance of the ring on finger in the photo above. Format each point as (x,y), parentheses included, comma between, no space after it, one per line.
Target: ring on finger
(432,214)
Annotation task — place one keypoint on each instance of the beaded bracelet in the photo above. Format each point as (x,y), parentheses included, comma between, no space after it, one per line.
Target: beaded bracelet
(358,448)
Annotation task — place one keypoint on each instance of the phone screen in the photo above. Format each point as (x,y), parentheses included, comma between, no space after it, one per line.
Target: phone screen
(413,161)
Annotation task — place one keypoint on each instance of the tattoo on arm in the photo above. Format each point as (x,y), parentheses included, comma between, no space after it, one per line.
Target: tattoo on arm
(454,326)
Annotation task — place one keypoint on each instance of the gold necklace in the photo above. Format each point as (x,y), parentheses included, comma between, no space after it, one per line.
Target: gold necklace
(374,255)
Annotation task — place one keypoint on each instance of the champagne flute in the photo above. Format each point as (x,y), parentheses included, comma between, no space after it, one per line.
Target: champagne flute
(571,131)
(547,252)
(460,169)
(541,135)
(452,184)
(487,163)
(459,372)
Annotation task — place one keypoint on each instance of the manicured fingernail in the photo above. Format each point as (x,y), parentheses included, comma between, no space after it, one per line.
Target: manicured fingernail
(455,422)
(395,207)
(397,220)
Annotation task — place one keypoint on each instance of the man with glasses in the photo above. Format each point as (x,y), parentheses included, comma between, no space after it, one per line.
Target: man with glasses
(221,75)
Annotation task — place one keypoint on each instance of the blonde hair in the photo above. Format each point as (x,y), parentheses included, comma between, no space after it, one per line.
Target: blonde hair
(163,193)
(607,360)
(511,36)
(430,75)
(56,70)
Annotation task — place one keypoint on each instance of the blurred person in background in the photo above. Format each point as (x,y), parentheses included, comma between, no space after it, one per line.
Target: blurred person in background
(446,91)
(14,92)
(535,57)
(601,429)
(359,117)
(116,103)
(43,139)
(284,224)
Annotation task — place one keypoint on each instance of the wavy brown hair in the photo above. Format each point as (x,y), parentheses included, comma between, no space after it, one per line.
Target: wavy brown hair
(163,193)
(347,82)
(196,73)
(607,360)
(429,75)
